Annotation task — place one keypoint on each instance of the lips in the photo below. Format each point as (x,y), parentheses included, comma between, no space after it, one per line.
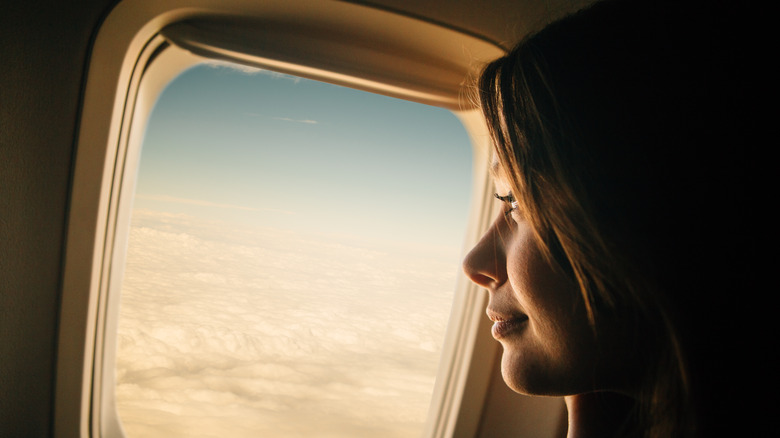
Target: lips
(505,325)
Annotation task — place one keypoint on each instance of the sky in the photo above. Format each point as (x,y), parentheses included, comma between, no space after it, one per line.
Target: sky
(291,261)
(296,153)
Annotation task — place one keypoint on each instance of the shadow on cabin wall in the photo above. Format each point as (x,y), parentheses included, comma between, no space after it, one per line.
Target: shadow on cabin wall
(43,48)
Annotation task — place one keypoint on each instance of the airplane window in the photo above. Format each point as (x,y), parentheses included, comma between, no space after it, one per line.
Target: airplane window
(291,261)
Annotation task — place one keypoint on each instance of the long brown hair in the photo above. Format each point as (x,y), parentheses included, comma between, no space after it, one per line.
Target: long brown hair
(595,121)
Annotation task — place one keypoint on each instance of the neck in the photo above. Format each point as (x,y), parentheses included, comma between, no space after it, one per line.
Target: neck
(597,414)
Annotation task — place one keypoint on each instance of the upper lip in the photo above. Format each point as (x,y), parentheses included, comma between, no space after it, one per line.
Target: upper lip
(498,316)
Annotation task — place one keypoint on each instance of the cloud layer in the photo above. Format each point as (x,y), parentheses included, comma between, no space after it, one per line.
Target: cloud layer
(231,332)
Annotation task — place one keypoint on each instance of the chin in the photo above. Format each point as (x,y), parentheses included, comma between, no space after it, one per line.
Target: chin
(529,375)
(525,376)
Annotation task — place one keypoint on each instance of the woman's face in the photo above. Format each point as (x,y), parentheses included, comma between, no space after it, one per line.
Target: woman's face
(539,315)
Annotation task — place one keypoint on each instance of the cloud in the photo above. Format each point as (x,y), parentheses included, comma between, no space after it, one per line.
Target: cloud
(286,119)
(253,332)
(250,70)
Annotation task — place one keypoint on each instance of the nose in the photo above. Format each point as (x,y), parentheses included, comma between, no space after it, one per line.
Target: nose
(485,264)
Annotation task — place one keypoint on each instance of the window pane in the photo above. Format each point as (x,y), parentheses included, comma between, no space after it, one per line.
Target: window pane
(292,259)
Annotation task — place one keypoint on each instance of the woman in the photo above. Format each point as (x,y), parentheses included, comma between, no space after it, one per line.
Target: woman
(610,263)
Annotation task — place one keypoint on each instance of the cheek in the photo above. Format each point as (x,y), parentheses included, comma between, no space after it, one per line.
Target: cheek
(542,289)
(557,354)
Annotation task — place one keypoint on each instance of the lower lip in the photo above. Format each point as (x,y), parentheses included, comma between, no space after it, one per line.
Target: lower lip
(502,329)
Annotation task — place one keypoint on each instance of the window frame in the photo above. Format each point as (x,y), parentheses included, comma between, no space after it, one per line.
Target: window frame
(130,65)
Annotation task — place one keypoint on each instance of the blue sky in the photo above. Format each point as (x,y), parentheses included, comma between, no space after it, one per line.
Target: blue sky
(278,151)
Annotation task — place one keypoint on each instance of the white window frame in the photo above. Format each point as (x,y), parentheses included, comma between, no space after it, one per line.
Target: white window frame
(130,64)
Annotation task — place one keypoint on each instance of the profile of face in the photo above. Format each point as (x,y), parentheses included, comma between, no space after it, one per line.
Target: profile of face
(539,315)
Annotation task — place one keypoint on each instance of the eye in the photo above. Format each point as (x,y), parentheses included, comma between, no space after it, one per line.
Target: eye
(509,199)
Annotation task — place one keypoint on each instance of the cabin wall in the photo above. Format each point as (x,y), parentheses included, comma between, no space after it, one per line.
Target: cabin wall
(43,53)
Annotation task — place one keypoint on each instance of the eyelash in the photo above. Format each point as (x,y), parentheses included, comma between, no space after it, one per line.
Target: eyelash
(508,199)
